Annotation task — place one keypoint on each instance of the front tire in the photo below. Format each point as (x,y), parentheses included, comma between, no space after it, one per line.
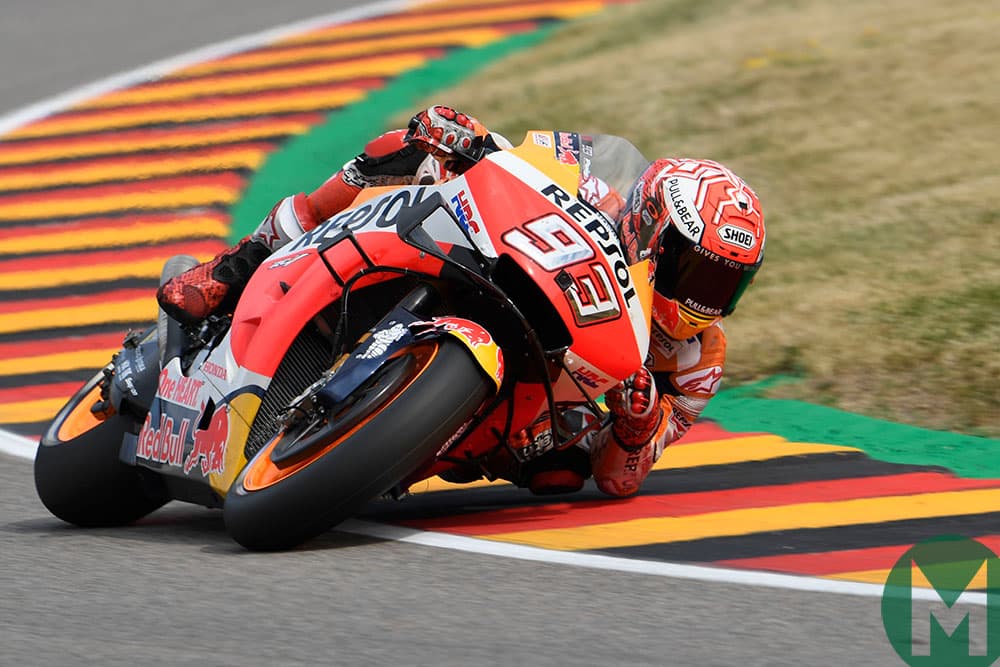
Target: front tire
(78,474)
(277,506)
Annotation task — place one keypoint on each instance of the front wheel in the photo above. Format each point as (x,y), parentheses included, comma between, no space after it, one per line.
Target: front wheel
(78,475)
(394,423)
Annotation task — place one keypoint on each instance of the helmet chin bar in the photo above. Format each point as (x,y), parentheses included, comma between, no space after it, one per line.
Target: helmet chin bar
(677,321)
(694,318)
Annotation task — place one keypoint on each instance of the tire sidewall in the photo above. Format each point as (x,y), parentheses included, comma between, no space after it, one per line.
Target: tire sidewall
(82,480)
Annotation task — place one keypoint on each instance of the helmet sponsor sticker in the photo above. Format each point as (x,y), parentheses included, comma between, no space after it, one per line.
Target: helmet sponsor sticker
(704,310)
(736,236)
(682,208)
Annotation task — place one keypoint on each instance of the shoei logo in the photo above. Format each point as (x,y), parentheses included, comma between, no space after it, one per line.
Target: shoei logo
(737,237)
(954,628)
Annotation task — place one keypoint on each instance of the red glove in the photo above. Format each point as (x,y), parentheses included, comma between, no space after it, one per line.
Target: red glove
(635,406)
(448,134)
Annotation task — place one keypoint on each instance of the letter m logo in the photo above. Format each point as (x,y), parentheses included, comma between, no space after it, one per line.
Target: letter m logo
(951,614)
(941,604)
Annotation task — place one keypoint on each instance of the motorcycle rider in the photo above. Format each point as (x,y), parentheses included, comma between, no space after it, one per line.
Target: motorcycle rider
(699,224)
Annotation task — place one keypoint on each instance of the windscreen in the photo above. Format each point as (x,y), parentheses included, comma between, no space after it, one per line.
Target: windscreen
(616,162)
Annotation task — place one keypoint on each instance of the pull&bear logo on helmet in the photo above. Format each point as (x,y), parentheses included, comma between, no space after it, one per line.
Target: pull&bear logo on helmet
(683,211)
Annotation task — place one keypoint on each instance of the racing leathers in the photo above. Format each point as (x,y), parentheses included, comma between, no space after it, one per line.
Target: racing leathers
(650,410)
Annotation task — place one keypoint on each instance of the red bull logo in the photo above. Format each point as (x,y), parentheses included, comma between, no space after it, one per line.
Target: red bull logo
(474,335)
(487,353)
(498,374)
(210,446)
(161,444)
(567,149)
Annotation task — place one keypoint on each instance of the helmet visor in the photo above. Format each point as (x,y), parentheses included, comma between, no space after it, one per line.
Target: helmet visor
(699,279)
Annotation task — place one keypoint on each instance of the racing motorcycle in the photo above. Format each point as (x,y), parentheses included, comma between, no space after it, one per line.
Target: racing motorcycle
(408,336)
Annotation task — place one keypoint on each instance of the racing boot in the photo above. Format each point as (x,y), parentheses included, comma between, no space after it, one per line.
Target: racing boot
(214,286)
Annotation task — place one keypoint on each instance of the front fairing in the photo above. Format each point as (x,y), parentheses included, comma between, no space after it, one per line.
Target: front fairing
(572,251)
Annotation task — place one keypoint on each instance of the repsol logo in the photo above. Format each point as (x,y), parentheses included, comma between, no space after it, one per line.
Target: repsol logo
(737,237)
(381,213)
(600,231)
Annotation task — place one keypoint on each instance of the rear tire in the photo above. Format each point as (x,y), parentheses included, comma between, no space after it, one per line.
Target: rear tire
(78,474)
(334,479)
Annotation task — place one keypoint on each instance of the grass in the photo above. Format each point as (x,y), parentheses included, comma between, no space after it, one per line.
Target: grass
(870,132)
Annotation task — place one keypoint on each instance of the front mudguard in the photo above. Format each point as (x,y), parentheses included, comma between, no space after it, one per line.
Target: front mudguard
(473,336)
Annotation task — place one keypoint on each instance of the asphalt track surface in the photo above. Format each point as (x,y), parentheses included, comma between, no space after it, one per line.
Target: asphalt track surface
(176,590)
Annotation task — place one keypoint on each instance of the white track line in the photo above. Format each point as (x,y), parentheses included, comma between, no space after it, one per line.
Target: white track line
(24,448)
(15,445)
(656,568)
(16,119)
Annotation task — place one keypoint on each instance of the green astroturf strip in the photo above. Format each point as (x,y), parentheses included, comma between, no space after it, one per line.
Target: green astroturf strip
(740,409)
